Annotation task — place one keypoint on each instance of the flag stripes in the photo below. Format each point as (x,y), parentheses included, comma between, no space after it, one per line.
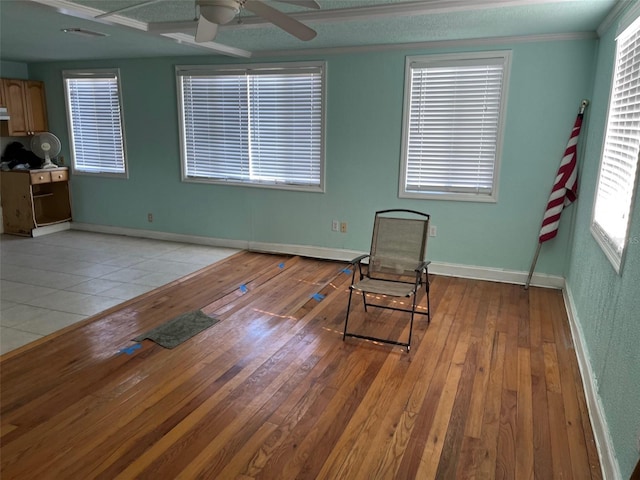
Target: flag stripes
(565,186)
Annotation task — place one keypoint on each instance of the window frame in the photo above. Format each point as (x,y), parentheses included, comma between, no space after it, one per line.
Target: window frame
(599,232)
(262,68)
(455,59)
(95,73)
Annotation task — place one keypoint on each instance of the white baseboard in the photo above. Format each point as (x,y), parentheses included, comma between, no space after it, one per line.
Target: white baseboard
(496,275)
(305,251)
(47,229)
(156,235)
(437,268)
(608,460)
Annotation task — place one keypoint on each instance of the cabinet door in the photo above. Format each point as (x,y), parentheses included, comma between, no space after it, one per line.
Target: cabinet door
(14,91)
(36,107)
(17,203)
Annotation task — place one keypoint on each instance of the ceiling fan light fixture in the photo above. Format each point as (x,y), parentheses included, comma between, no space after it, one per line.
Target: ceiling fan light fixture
(219,11)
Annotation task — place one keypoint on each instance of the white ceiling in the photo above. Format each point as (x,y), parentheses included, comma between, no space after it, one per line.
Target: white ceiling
(30,30)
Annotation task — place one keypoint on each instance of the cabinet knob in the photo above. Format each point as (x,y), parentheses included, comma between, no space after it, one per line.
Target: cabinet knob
(41,177)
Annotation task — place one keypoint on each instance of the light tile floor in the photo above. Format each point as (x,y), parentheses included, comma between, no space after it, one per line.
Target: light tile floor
(50,282)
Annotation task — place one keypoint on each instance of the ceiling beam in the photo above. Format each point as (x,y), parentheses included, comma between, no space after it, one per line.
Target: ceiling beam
(217,47)
(126,9)
(72,9)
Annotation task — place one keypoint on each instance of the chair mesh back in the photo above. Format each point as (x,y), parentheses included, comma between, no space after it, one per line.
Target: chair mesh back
(398,245)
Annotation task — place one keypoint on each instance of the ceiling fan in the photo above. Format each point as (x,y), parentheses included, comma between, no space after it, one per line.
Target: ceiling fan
(213,13)
(220,12)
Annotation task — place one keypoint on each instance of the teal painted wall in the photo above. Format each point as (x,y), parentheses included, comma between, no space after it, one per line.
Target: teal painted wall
(364,118)
(13,70)
(608,304)
(363,144)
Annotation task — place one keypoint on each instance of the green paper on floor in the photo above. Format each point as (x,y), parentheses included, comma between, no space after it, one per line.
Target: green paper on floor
(174,332)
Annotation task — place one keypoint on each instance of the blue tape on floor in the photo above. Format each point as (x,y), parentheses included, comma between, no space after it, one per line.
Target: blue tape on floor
(281,265)
(347,271)
(131,349)
(243,288)
(317,296)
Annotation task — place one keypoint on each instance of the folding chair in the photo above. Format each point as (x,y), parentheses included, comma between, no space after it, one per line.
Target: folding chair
(396,266)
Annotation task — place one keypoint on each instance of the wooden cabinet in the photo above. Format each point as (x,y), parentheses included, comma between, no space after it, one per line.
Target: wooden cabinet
(32,199)
(36,107)
(26,103)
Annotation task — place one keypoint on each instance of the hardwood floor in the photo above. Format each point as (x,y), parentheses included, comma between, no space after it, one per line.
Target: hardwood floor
(491,388)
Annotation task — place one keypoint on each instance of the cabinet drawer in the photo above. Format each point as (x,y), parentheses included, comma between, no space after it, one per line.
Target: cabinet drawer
(59,176)
(40,177)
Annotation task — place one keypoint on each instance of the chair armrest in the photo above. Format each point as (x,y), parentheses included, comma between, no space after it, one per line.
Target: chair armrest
(423,266)
(358,259)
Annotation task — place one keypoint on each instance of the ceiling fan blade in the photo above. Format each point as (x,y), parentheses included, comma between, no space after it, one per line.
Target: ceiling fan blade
(285,22)
(302,3)
(205,31)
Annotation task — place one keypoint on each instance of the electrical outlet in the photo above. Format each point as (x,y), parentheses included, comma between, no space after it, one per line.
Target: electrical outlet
(335,226)
(433,231)
(150,217)
(343,227)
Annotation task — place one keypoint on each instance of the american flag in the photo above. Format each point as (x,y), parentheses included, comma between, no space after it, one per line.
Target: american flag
(565,187)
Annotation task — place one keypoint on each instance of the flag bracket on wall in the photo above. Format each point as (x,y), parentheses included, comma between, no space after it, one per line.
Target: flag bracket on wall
(564,191)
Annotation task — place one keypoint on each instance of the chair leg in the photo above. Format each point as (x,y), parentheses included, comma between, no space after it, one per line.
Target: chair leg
(346,321)
(426,286)
(413,310)
(364,299)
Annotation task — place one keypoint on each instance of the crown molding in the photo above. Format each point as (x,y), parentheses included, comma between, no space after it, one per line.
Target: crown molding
(440,44)
(402,9)
(613,16)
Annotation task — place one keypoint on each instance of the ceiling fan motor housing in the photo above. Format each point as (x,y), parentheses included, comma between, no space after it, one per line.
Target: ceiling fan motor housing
(219,11)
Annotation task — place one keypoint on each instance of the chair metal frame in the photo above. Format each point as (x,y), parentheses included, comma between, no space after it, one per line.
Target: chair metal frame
(421,278)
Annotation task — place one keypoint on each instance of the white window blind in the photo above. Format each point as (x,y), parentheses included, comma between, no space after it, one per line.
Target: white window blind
(95,121)
(254,126)
(216,128)
(619,163)
(453,115)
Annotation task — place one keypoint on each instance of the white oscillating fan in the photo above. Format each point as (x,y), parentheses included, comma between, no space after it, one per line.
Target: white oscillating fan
(46,145)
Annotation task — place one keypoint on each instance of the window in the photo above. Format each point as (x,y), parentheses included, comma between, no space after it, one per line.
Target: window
(94,115)
(452,131)
(253,125)
(619,162)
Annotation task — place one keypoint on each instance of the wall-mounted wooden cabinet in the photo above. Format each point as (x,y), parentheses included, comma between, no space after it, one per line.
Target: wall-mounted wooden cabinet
(26,103)
(34,198)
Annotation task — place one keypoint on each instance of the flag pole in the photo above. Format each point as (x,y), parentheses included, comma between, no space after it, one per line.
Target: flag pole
(533,265)
(583,106)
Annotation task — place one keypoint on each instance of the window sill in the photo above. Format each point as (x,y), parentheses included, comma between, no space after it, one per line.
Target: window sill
(124,175)
(456,197)
(273,186)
